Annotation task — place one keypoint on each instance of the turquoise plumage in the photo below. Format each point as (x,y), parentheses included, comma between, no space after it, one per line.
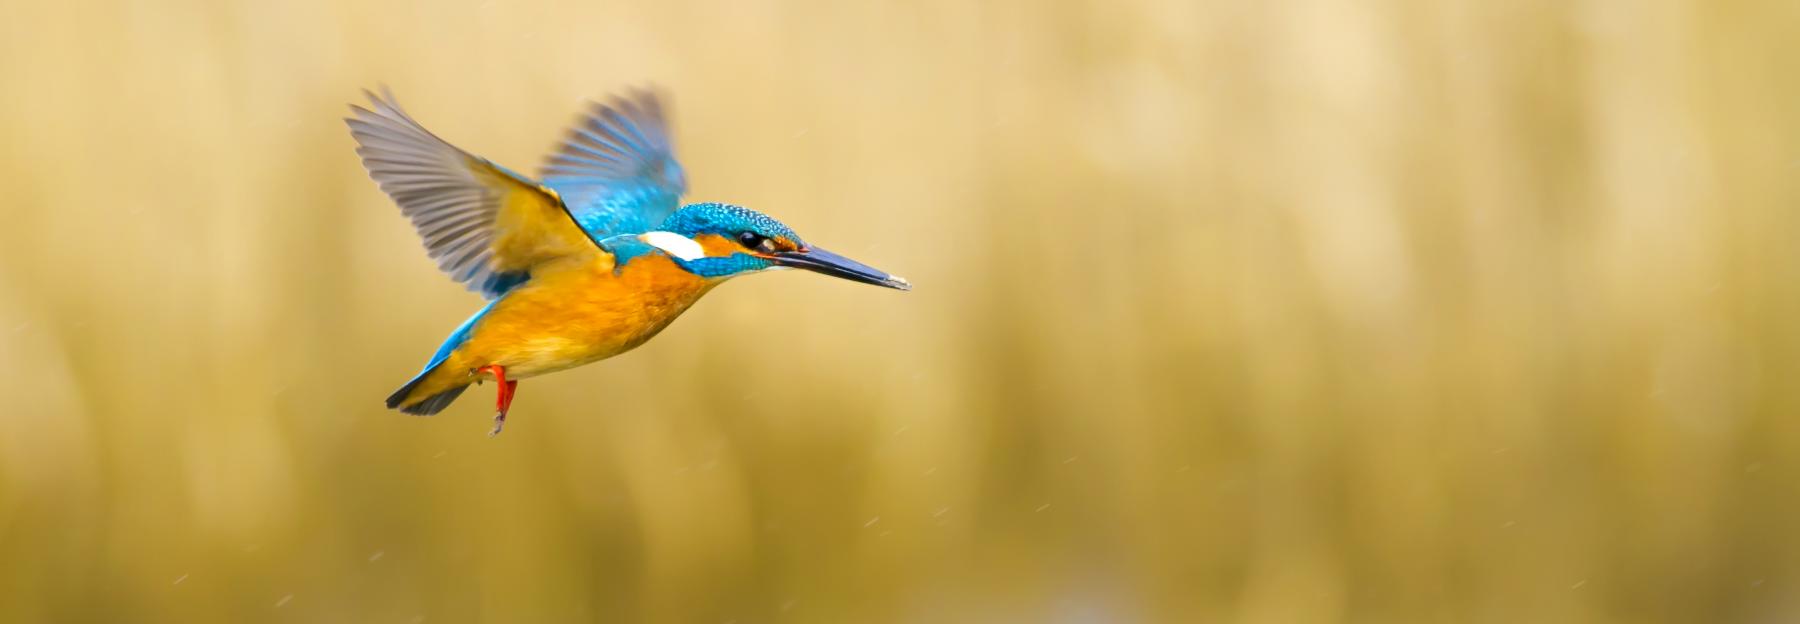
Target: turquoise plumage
(616,169)
(588,264)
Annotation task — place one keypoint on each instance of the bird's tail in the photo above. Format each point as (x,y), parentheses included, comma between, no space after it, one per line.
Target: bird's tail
(441,381)
(405,400)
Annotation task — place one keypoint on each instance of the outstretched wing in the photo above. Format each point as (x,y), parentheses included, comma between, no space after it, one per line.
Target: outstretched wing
(484,225)
(616,168)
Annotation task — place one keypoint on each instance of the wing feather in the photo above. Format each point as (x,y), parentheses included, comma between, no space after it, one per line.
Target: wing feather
(483,225)
(616,167)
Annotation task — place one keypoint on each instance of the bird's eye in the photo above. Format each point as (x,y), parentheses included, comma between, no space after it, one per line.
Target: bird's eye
(756,242)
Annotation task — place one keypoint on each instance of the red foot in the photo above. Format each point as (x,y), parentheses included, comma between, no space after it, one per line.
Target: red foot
(503,398)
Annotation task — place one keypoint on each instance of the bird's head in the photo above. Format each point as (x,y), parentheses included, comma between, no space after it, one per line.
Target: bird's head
(722,240)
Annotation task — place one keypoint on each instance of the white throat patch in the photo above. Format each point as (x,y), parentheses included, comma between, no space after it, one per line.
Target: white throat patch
(675,244)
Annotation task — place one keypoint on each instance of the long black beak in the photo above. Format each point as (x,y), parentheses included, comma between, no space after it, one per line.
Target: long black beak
(820,261)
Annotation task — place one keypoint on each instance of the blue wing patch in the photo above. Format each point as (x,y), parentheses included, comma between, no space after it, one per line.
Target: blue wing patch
(616,169)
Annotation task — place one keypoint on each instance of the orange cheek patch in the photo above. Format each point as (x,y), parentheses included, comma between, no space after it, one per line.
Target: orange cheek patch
(782,243)
(717,246)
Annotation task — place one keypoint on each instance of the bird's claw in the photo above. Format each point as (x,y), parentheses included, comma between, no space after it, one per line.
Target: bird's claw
(503,398)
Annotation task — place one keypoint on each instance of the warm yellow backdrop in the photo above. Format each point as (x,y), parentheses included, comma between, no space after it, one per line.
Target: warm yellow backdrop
(1243,311)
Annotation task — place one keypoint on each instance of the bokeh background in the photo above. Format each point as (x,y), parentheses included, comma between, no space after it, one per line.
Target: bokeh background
(1233,311)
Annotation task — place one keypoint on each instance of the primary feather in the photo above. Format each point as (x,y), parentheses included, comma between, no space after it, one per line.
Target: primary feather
(616,167)
(486,227)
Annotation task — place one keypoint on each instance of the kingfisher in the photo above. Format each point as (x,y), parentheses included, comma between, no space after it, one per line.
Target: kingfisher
(588,261)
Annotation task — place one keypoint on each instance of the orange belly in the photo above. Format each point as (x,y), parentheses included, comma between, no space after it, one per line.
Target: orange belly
(578,313)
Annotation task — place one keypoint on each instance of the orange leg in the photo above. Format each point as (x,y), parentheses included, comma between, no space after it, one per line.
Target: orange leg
(503,398)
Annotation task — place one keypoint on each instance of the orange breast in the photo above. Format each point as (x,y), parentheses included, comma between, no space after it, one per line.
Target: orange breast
(573,314)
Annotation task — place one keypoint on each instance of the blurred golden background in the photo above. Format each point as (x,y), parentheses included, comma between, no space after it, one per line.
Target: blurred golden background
(1313,311)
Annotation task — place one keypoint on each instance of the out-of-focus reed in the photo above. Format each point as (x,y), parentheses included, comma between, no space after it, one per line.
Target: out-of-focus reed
(1227,311)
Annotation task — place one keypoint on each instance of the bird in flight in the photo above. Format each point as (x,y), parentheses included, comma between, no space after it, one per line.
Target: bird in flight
(587,262)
